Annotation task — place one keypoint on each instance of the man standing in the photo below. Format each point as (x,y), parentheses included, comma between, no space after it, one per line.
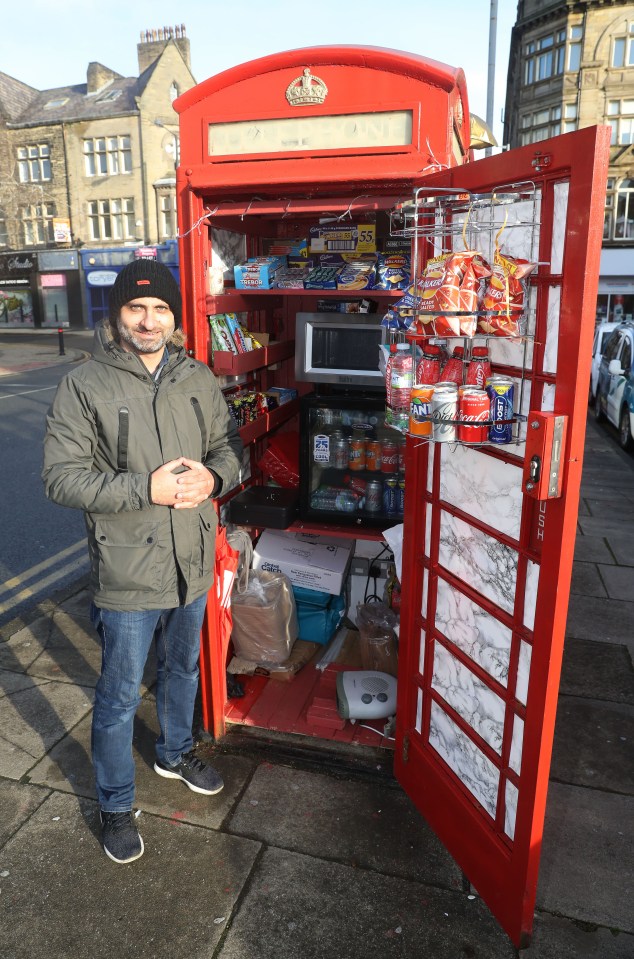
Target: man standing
(140,438)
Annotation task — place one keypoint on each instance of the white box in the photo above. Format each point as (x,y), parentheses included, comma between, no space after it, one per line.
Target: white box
(316,562)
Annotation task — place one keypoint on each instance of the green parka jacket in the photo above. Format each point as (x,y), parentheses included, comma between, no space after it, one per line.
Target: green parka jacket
(109,427)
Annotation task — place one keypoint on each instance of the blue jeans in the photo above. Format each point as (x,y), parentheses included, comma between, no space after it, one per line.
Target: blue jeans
(125,643)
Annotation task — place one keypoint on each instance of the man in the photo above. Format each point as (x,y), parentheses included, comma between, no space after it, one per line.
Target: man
(140,438)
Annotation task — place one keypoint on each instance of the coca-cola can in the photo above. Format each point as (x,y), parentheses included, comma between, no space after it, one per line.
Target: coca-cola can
(389,457)
(444,410)
(340,453)
(374,496)
(475,408)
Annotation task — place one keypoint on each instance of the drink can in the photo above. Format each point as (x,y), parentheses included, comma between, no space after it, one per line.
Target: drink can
(475,407)
(373,455)
(420,410)
(389,457)
(340,452)
(356,459)
(402,452)
(374,496)
(444,408)
(400,500)
(501,391)
(390,496)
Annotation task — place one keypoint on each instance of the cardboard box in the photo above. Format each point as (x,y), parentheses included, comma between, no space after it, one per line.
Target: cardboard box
(259,273)
(316,562)
(343,237)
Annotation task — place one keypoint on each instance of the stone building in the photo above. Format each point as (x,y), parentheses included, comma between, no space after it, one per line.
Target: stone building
(88,167)
(571,65)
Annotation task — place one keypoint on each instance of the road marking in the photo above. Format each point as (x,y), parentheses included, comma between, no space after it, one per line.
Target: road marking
(11,584)
(7,396)
(42,584)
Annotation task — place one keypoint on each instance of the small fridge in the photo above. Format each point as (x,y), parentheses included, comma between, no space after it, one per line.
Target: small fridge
(352,466)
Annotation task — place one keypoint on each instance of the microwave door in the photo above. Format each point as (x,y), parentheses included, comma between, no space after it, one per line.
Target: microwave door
(344,352)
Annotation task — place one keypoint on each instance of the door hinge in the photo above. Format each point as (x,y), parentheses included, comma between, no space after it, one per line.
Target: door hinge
(405,748)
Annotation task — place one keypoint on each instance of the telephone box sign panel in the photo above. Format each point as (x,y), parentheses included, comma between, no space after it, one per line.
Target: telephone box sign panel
(348,132)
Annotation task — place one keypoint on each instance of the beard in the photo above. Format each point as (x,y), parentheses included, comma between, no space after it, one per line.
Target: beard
(140,345)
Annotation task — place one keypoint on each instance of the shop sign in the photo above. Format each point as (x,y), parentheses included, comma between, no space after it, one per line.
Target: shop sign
(101,277)
(17,264)
(58,260)
(61,230)
(145,253)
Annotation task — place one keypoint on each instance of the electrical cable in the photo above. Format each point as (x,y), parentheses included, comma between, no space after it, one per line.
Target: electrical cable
(379,732)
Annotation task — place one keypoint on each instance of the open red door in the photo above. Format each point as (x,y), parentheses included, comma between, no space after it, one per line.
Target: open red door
(487,564)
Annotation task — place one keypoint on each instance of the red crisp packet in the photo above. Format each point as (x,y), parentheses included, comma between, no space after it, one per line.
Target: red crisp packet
(504,295)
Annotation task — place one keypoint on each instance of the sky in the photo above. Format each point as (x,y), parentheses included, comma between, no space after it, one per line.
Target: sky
(50,44)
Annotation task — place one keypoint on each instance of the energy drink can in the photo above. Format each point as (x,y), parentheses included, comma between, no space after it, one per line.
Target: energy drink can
(501,391)
(390,496)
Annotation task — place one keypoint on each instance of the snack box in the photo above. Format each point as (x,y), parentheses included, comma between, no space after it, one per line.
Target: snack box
(316,562)
(259,273)
(343,237)
(283,394)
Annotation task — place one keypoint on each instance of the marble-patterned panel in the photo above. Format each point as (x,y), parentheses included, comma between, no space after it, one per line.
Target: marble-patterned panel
(419,712)
(552,330)
(423,605)
(227,250)
(472,699)
(530,594)
(475,632)
(517,742)
(487,565)
(559,226)
(469,763)
(510,814)
(523,672)
(548,398)
(421,653)
(483,486)
(430,468)
(428,515)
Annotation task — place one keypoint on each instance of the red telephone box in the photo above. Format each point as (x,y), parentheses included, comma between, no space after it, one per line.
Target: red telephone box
(272,146)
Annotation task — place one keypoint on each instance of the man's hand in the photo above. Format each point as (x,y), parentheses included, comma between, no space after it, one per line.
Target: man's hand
(193,486)
(164,483)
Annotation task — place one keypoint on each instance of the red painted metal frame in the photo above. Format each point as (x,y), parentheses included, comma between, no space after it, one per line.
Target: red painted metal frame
(505,871)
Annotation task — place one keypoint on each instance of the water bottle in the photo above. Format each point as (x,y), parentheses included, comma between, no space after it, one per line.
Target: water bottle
(401,371)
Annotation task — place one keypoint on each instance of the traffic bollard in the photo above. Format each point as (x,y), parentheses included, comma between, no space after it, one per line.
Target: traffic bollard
(60,336)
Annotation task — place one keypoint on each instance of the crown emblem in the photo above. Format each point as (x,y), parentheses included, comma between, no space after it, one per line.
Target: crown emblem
(306,89)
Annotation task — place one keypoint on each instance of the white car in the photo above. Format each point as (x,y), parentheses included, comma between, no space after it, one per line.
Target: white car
(602,334)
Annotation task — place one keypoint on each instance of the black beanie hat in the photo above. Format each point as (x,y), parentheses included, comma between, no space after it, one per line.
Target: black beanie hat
(144,278)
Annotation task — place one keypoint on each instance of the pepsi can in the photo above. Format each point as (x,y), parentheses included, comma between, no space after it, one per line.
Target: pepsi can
(501,391)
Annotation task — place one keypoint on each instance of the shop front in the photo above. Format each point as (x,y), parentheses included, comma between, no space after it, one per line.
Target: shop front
(615,301)
(59,290)
(18,290)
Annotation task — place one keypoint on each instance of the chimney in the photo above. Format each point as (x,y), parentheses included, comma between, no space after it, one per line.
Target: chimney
(153,43)
(97,76)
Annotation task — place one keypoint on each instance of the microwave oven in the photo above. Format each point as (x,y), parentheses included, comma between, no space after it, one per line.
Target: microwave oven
(339,348)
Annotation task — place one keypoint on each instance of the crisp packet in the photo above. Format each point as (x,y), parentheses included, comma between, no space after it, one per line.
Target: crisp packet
(448,286)
(393,271)
(504,295)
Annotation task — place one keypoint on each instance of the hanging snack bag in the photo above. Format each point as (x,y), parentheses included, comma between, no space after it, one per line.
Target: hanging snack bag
(448,286)
(504,296)
(393,271)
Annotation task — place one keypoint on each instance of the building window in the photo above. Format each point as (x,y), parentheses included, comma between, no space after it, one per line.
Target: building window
(107,156)
(618,223)
(109,96)
(37,223)
(575,36)
(544,58)
(167,215)
(34,163)
(173,91)
(540,125)
(623,49)
(621,119)
(4,233)
(111,219)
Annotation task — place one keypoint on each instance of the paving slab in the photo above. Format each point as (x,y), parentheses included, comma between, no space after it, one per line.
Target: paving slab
(604,505)
(366,825)
(621,546)
(68,768)
(598,525)
(592,549)
(64,898)
(594,744)
(556,938)
(597,670)
(11,682)
(619,581)
(298,906)
(588,841)
(602,620)
(32,720)
(586,580)
(17,803)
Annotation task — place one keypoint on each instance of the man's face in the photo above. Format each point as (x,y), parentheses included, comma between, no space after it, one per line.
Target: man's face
(145,324)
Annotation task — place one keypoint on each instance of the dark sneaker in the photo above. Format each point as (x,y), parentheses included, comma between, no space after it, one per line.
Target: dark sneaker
(196,774)
(121,839)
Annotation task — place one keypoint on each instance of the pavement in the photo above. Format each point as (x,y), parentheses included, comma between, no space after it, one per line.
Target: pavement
(41,348)
(312,860)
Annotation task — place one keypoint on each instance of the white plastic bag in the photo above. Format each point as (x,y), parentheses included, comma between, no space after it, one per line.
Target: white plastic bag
(264,618)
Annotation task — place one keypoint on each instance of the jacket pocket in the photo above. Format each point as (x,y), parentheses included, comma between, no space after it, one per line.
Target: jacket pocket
(207,543)
(127,558)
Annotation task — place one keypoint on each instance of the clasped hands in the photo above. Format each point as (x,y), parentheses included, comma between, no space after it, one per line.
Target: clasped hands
(182,490)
